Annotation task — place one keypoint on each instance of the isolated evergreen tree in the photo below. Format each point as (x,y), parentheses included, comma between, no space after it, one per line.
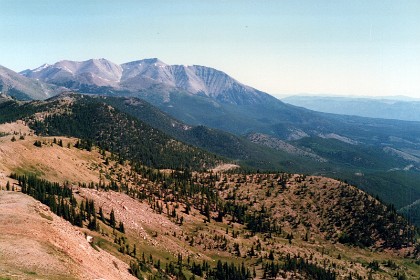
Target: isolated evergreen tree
(112,221)
(134,252)
(93,224)
(101,215)
(121,227)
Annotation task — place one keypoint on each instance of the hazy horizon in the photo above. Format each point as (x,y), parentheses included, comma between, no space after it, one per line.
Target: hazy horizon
(355,96)
(355,48)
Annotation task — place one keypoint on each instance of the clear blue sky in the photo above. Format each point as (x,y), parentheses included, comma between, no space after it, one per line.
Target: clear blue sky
(281,47)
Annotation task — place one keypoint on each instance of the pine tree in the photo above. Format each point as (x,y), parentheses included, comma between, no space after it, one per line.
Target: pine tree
(93,224)
(112,221)
(271,255)
(134,252)
(101,215)
(121,227)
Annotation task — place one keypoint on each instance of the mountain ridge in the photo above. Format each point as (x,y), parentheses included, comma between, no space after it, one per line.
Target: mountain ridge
(146,73)
(400,108)
(94,121)
(99,72)
(21,87)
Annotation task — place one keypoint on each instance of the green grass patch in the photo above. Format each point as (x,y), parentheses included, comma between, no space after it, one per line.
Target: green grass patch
(30,170)
(93,244)
(49,218)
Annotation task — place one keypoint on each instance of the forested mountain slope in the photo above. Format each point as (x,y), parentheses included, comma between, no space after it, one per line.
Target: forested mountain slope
(204,224)
(98,123)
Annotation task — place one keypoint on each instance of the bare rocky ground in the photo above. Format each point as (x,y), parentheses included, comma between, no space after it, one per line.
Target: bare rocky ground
(36,244)
(225,167)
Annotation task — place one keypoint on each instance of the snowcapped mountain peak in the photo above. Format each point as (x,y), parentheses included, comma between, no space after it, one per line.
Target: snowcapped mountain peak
(43,66)
(146,74)
(195,79)
(145,62)
(98,72)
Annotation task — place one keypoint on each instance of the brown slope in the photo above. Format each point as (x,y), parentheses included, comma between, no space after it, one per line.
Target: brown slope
(36,244)
(315,200)
(52,162)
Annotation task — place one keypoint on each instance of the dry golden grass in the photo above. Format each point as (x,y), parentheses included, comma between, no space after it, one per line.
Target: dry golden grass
(51,161)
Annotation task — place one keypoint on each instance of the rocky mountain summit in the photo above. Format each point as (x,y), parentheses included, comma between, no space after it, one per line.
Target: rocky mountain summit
(146,74)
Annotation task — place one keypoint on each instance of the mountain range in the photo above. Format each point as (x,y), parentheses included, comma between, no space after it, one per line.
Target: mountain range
(147,74)
(20,87)
(147,170)
(207,108)
(398,108)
